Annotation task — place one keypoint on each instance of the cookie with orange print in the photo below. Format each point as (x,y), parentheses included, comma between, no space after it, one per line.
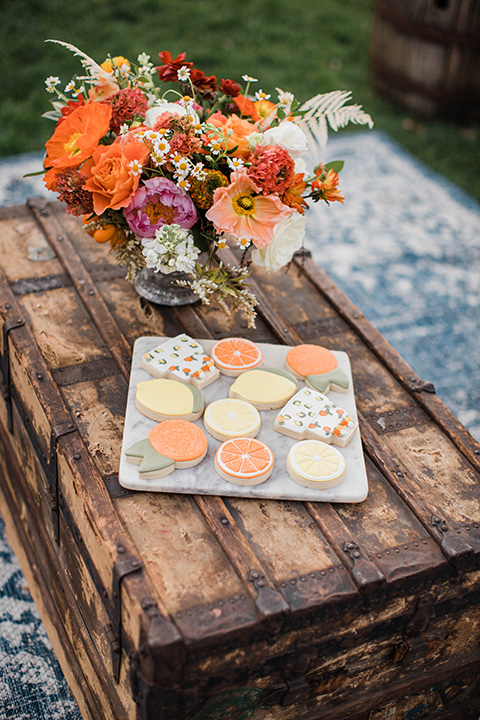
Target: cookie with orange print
(172,444)
(244,461)
(309,414)
(181,358)
(318,366)
(235,355)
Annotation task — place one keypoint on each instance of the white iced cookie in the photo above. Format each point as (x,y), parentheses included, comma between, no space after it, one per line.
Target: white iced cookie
(164,399)
(181,358)
(313,464)
(264,388)
(309,414)
(229,417)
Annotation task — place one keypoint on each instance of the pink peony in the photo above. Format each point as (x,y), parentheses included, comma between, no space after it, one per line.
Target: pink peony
(159,202)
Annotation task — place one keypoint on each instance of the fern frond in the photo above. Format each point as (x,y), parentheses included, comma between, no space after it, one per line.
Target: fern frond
(92,67)
(330,109)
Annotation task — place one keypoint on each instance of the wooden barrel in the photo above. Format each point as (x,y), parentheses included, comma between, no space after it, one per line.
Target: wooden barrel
(425,56)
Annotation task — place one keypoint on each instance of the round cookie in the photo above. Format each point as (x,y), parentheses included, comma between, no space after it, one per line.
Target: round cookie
(318,366)
(165,399)
(234,355)
(264,388)
(244,461)
(313,464)
(172,444)
(229,418)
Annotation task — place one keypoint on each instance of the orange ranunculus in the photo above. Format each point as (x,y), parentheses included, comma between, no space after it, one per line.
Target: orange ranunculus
(241,129)
(76,138)
(114,174)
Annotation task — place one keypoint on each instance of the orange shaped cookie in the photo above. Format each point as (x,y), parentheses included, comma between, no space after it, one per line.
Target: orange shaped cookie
(318,367)
(174,443)
(244,461)
(234,355)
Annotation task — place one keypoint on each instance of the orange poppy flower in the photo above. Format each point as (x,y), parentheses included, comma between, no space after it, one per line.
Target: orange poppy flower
(76,138)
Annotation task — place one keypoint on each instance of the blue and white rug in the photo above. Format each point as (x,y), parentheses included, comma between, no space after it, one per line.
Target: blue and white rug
(405,248)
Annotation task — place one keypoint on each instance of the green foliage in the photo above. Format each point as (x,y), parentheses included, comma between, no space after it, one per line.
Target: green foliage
(301,46)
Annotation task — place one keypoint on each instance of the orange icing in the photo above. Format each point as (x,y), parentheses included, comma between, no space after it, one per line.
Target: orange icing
(179,440)
(236,353)
(244,457)
(311,360)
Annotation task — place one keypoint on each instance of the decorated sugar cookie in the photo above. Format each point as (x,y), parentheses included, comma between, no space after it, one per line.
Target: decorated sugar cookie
(172,444)
(313,464)
(244,461)
(265,388)
(309,414)
(235,355)
(164,399)
(230,417)
(181,358)
(318,366)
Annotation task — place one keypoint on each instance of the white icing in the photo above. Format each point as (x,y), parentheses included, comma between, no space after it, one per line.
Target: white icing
(170,358)
(311,414)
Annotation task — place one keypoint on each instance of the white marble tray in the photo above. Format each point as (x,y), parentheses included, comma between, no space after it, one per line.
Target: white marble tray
(204,480)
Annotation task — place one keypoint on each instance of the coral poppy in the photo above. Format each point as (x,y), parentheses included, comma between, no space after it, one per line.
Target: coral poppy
(76,138)
(240,130)
(114,173)
(239,210)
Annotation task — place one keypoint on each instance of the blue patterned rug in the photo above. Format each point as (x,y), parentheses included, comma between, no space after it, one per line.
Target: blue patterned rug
(405,248)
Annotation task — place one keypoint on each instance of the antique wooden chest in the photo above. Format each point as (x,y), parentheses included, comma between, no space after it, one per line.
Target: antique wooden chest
(184,607)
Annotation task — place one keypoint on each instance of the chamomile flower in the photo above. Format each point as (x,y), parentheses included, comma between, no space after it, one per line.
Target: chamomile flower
(51,82)
(260,95)
(244,241)
(198,171)
(249,79)
(124,129)
(135,167)
(69,87)
(183,74)
(235,163)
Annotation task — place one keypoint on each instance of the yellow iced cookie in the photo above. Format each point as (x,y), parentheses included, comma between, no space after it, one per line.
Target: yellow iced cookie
(165,399)
(265,388)
(313,464)
(228,418)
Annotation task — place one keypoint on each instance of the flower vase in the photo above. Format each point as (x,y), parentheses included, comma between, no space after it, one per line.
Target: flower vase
(162,289)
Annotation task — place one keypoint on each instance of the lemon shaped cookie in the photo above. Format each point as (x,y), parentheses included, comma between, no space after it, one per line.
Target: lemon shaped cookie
(264,388)
(313,464)
(229,418)
(165,399)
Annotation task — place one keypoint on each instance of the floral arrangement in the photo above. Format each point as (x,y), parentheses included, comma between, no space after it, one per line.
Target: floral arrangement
(170,174)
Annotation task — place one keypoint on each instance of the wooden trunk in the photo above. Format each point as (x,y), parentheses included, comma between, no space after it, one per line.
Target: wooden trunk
(425,55)
(180,607)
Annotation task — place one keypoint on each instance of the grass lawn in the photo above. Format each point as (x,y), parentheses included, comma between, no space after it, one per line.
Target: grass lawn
(305,47)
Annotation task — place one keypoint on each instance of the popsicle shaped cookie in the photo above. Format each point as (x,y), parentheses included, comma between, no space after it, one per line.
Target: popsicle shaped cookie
(172,444)
(309,414)
(318,366)
(181,358)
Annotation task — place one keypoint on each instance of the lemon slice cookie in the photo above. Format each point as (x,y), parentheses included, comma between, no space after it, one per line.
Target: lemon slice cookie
(230,417)
(164,399)
(313,464)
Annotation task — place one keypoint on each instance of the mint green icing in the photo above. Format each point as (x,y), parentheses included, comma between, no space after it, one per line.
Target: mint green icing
(151,459)
(198,401)
(323,381)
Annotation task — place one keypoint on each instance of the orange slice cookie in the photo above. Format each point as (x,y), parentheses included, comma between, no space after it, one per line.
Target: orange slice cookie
(229,418)
(164,399)
(318,367)
(172,444)
(234,355)
(313,464)
(264,388)
(244,461)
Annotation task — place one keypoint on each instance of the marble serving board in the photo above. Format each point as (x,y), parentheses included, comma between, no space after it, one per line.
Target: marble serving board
(203,478)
